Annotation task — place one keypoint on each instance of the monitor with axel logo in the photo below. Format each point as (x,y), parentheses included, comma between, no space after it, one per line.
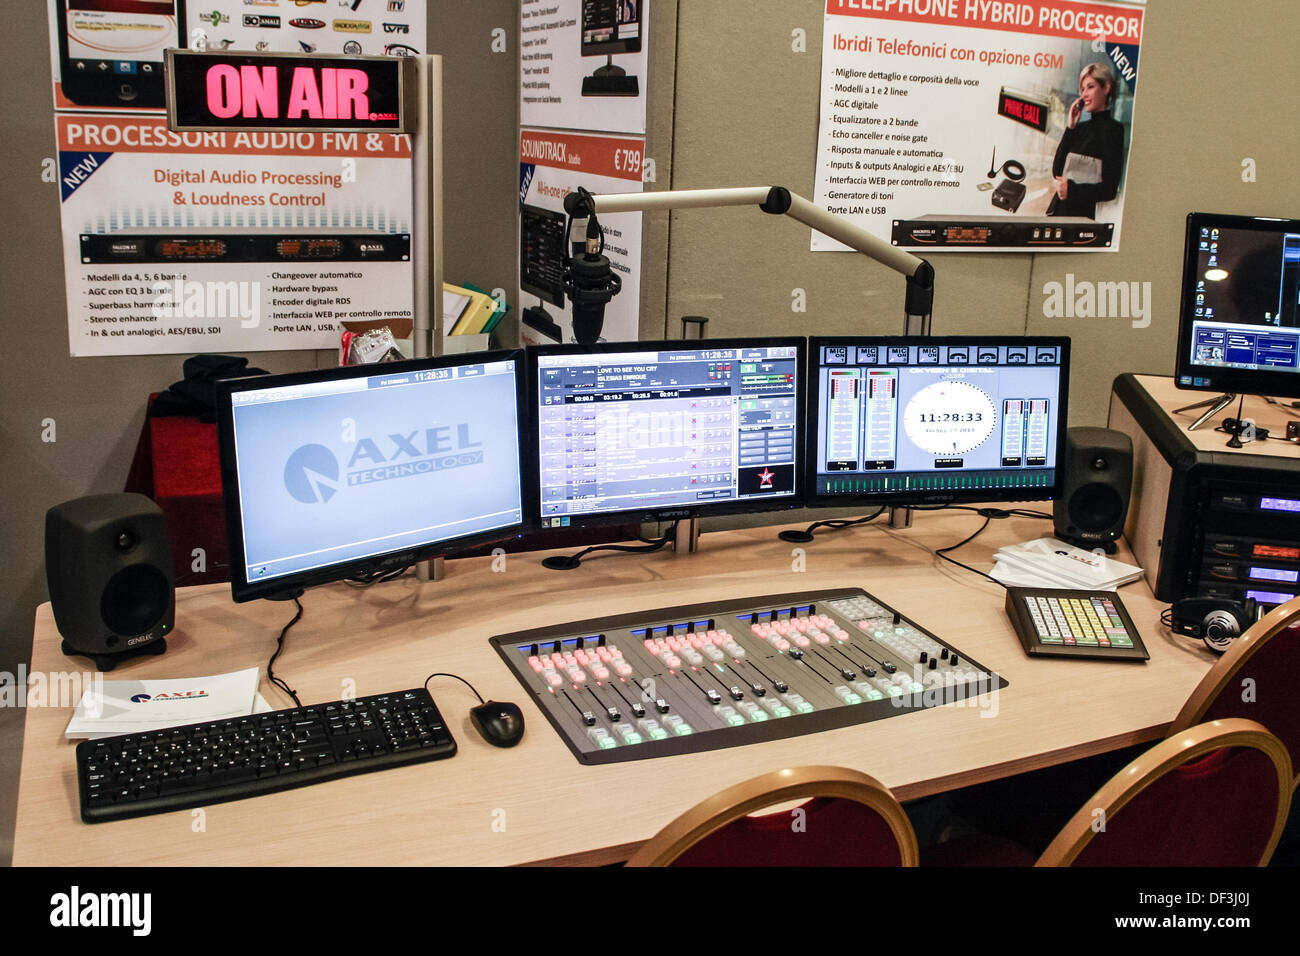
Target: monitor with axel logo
(354,471)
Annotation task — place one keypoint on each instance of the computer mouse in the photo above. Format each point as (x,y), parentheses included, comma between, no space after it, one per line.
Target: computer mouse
(500,724)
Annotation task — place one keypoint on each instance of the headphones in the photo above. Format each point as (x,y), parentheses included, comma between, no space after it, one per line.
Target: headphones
(1217,623)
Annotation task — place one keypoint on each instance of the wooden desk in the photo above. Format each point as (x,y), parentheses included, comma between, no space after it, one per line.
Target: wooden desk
(535,802)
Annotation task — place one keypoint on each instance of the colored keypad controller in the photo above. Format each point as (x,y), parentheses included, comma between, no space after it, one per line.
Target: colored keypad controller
(1064,623)
(686,679)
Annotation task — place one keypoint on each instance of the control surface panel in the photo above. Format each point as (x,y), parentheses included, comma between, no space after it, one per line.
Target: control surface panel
(728,673)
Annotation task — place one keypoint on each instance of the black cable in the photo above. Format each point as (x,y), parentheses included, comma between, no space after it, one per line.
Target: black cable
(942,552)
(834,524)
(567,562)
(368,580)
(279,646)
(461,679)
(988,514)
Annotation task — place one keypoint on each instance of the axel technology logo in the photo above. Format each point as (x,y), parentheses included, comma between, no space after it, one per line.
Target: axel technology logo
(313,475)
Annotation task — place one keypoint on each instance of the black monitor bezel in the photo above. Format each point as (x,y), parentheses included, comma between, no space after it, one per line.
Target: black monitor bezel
(812,378)
(290,585)
(1221,379)
(611,47)
(731,506)
(554,296)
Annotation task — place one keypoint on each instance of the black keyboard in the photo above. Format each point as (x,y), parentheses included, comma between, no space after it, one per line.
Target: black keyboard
(198,764)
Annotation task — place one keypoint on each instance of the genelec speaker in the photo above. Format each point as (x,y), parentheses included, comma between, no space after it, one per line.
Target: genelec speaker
(1095,489)
(109,569)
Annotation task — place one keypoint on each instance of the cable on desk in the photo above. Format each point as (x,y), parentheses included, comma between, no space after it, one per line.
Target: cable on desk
(567,562)
(456,677)
(834,524)
(988,514)
(279,646)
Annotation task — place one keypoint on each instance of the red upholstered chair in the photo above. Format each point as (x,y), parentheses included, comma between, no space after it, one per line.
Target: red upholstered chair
(1216,794)
(1213,795)
(849,819)
(1255,679)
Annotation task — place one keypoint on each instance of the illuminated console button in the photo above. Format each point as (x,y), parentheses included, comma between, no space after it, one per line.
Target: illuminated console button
(614,652)
(752,711)
(775,707)
(622,669)
(677,726)
(673,661)
(576,675)
(732,718)
(800,641)
(781,644)
(798,703)
(846,695)
(867,691)
(628,733)
(535,663)
(599,671)
(652,729)
(601,738)
(552,678)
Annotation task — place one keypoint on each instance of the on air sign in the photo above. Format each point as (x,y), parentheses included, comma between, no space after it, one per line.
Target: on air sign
(288,91)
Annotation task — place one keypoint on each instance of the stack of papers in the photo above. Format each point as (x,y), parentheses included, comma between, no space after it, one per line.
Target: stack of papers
(1049,562)
(116,707)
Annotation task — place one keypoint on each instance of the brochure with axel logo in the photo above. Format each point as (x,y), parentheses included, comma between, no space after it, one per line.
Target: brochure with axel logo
(116,707)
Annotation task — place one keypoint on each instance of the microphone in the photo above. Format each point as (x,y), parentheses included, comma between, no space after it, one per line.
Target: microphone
(589,281)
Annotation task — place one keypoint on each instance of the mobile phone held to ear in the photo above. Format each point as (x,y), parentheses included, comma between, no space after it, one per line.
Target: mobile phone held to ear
(111,51)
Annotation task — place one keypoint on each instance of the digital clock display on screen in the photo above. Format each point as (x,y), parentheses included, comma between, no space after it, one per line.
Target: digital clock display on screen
(950,418)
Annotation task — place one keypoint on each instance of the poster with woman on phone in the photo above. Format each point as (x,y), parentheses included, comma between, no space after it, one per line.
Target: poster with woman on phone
(979,127)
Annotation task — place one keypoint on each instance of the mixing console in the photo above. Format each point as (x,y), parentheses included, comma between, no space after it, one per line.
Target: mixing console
(685,679)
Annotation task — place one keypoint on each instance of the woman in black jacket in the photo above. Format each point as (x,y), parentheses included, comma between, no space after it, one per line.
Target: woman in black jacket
(1090,159)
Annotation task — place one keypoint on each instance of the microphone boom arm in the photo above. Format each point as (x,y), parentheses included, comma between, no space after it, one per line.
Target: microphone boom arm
(777,200)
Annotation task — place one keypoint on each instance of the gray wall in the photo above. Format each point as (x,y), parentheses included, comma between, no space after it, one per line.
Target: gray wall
(98,403)
(731,104)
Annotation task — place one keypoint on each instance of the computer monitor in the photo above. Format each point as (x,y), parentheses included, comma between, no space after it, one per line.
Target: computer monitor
(611,26)
(645,431)
(349,471)
(912,421)
(1239,325)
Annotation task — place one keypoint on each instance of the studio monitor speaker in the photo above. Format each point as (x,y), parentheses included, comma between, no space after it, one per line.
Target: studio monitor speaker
(1094,497)
(109,569)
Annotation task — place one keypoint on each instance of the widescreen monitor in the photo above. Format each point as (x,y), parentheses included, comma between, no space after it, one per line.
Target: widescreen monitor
(1239,325)
(913,421)
(346,472)
(642,431)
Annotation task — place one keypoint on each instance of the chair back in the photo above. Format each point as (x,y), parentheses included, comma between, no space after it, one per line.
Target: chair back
(847,819)
(1255,679)
(1214,795)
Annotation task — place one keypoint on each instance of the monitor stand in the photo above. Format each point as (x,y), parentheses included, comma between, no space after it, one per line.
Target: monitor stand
(1216,405)
(610,80)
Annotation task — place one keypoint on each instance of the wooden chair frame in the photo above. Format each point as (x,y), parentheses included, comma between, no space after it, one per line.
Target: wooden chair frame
(1224,673)
(770,789)
(1169,754)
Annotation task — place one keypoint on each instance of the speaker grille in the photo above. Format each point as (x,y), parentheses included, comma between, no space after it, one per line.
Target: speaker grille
(135,599)
(1096,508)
